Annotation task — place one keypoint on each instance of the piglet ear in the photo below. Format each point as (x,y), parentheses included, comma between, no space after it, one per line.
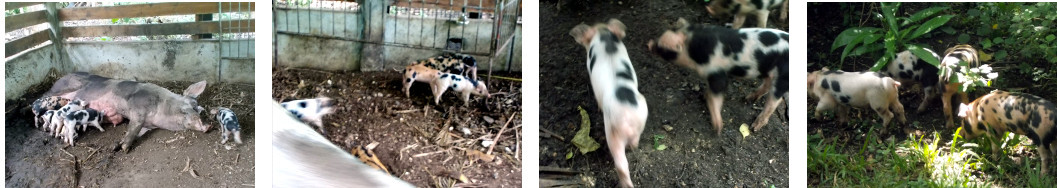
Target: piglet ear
(963,110)
(583,34)
(617,28)
(195,89)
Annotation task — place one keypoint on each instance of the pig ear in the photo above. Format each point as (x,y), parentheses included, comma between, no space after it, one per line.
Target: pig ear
(682,23)
(195,89)
(963,109)
(583,34)
(617,28)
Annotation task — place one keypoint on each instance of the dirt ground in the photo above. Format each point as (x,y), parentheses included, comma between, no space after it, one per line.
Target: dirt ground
(696,156)
(35,159)
(420,142)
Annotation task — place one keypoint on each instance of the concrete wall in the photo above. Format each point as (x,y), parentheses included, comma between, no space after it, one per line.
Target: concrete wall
(29,69)
(163,60)
(335,54)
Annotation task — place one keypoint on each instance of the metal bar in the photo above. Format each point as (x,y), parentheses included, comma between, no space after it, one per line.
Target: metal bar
(366,41)
(220,32)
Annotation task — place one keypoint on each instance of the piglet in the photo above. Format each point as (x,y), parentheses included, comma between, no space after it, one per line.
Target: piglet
(59,118)
(304,158)
(837,89)
(68,132)
(741,9)
(229,124)
(615,86)
(311,111)
(44,104)
(460,84)
(418,73)
(84,118)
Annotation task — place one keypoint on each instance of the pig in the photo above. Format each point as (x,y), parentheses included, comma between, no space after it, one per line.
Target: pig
(229,124)
(908,68)
(304,158)
(84,118)
(461,85)
(1020,113)
(719,54)
(837,89)
(145,105)
(311,111)
(58,119)
(46,116)
(45,104)
(615,86)
(418,73)
(741,8)
(460,64)
(951,58)
(68,132)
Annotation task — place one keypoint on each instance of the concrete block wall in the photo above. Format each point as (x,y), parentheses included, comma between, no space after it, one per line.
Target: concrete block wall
(29,69)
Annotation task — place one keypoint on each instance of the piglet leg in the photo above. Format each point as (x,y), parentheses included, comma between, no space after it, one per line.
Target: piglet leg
(768,109)
(616,138)
(760,91)
(715,104)
(761,17)
(739,19)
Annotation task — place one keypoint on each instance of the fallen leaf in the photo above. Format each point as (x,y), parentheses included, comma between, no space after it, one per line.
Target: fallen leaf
(583,139)
(744,130)
(480,155)
(661,147)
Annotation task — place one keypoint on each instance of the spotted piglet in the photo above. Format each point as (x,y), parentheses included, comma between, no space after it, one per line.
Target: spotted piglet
(615,86)
(58,119)
(229,124)
(908,68)
(459,84)
(1020,113)
(311,111)
(44,104)
(743,8)
(838,90)
(418,73)
(84,118)
(719,54)
(952,58)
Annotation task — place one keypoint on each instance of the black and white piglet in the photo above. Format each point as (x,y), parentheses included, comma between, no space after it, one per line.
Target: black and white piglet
(461,85)
(229,124)
(311,111)
(743,8)
(908,68)
(719,54)
(839,90)
(84,118)
(44,104)
(616,89)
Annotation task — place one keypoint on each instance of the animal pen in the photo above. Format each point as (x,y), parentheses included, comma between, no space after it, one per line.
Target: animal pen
(145,41)
(167,44)
(375,35)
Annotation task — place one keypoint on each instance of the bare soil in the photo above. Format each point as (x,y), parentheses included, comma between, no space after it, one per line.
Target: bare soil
(419,142)
(696,156)
(35,159)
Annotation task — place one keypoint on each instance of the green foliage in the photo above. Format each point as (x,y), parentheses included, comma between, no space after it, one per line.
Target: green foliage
(897,33)
(1021,33)
(971,77)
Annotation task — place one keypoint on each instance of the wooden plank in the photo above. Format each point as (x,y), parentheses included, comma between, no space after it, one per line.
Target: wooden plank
(152,29)
(15,5)
(148,10)
(24,20)
(487,5)
(24,43)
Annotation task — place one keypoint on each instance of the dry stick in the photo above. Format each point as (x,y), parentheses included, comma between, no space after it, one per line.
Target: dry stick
(497,136)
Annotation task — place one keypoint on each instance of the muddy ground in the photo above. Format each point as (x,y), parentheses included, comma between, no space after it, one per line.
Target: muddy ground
(696,156)
(35,159)
(420,142)
(822,32)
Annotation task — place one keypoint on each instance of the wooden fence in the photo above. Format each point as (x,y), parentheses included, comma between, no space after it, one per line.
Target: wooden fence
(58,33)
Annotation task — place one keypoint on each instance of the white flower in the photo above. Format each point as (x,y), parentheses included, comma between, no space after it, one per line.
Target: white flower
(985,68)
(992,75)
(974,70)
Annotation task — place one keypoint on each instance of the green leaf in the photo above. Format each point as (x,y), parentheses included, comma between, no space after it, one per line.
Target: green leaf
(986,43)
(998,40)
(924,54)
(921,15)
(889,11)
(661,147)
(1001,54)
(963,38)
(850,47)
(849,35)
(974,12)
(928,26)
(1050,37)
(868,48)
(948,29)
(880,64)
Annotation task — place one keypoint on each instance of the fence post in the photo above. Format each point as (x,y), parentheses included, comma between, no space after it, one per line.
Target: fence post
(56,35)
(371,54)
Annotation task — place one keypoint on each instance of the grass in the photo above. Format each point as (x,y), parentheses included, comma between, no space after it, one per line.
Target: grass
(928,160)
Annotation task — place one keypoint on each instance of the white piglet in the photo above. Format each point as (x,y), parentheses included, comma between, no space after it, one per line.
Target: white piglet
(839,89)
(461,85)
(311,111)
(229,124)
(615,86)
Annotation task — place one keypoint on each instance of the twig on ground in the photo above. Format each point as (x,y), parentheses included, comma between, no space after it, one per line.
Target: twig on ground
(497,136)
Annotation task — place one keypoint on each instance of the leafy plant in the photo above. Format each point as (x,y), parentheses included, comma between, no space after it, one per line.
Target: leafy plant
(896,34)
(971,77)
